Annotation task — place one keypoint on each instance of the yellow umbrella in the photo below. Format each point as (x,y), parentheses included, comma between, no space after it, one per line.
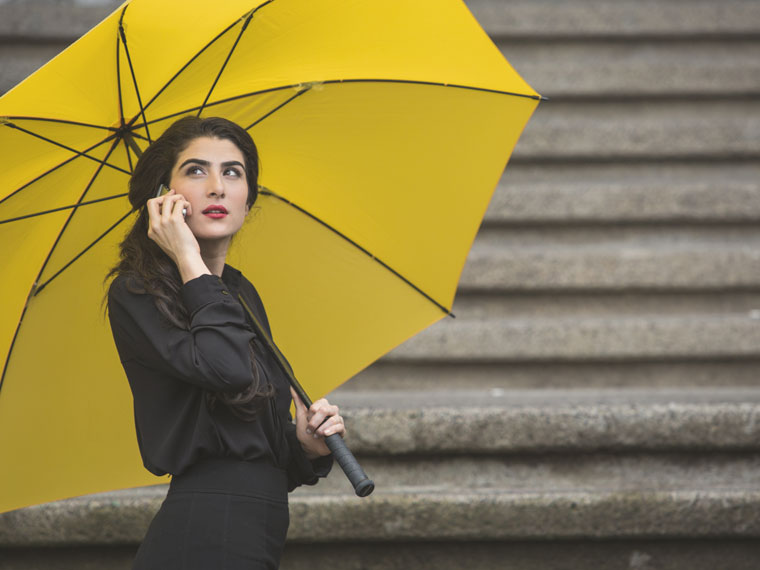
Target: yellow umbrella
(383,128)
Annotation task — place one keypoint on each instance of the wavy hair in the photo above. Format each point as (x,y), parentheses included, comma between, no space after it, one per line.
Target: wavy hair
(152,271)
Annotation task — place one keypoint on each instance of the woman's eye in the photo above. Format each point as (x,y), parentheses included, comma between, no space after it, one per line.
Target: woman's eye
(232,172)
(194,170)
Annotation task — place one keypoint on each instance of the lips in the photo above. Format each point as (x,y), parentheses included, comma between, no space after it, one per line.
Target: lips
(215,212)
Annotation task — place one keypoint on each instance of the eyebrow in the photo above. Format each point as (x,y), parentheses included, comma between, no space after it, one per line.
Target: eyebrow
(206,163)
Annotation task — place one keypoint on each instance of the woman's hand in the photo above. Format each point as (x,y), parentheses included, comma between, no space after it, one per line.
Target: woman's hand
(167,227)
(310,428)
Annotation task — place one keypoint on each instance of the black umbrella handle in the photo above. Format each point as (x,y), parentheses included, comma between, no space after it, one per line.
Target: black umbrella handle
(362,484)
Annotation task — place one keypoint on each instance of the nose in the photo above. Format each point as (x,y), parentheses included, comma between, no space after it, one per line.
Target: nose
(215,185)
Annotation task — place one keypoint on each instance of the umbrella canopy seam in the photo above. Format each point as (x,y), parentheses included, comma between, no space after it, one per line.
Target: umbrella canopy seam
(306,85)
(277,108)
(227,60)
(61,208)
(66,147)
(267,192)
(7,119)
(123,36)
(61,165)
(247,15)
(36,288)
(39,288)
(69,218)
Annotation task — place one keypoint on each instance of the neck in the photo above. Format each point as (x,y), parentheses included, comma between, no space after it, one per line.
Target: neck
(214,255)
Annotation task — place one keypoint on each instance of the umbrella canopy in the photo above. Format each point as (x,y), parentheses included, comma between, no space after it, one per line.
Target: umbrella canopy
(383,128)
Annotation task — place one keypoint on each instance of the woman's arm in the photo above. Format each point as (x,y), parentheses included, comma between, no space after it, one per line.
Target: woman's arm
(213,353)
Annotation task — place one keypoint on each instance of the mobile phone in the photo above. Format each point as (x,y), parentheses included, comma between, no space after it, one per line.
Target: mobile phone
(163,189)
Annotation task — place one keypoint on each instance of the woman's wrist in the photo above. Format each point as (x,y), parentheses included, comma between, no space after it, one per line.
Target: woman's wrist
(191,266)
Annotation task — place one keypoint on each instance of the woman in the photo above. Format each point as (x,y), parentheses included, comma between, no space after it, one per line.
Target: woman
(211,405)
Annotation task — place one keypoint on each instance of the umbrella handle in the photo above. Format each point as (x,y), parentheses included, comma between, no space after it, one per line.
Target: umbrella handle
(362,484)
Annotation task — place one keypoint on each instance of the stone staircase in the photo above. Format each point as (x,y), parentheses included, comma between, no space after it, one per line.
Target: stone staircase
(596,403)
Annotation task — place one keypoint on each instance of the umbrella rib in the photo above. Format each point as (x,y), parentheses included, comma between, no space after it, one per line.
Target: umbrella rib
(267,192)
(36,289)
(56,167)
(436,84)
(129,156)
(73,211)
(69,207)
(221,102)
(81,253)
(308,84)
(227,59)
(4,120)
(77,152)
(118,76)
(123,35)
(130,141)
(13,342)
(197,55)
(277,108)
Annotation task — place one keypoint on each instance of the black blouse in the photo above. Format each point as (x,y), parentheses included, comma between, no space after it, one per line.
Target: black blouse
(170,371)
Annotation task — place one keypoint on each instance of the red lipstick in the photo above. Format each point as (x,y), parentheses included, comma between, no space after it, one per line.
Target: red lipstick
(215,211)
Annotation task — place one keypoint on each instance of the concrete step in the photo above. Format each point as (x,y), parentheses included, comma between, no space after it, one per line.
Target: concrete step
(597,497)
(517,18)
(613,258)
(17,61)
(549,459)
(644,337)
(604,305)
(617,18)
(51,20)
(654,130)
(501,376)
(640,554)
(411,422)
(537,466)
(564,554)
(648,192)
(563,69)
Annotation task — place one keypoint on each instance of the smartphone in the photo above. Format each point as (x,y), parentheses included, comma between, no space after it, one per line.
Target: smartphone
(162,189)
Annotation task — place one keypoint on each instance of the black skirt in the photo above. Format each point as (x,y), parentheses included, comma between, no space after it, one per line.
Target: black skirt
(221,514)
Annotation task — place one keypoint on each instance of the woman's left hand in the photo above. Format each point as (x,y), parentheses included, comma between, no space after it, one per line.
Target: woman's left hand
(310,429)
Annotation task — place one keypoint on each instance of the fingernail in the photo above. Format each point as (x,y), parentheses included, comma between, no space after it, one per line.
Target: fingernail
(309,431)
(316,436)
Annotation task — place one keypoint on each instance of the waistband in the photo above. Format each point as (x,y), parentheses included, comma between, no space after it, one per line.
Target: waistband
(233,476)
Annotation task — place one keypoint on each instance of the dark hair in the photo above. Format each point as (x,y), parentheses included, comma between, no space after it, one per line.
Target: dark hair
(151,270)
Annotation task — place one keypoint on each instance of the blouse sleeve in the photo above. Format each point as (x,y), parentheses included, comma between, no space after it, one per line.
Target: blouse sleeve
(212,354)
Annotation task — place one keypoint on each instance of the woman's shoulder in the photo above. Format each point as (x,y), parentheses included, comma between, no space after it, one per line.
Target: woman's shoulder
(124,285)
(235,278)
(248,291)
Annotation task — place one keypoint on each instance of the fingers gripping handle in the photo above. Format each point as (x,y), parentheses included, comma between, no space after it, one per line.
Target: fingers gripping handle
(362,484)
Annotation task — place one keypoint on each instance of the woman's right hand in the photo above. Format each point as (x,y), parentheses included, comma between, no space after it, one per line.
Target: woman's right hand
(167,227)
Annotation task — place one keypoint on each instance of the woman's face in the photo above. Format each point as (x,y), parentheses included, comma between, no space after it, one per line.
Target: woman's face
(210,174)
